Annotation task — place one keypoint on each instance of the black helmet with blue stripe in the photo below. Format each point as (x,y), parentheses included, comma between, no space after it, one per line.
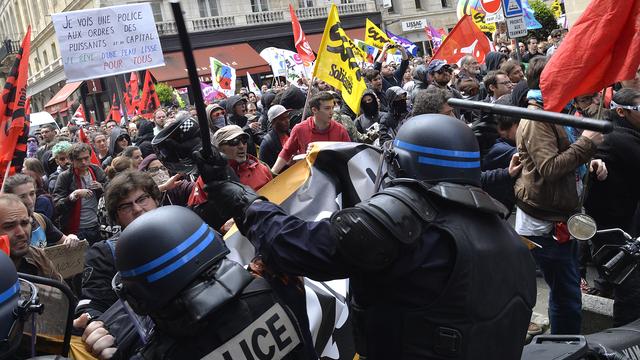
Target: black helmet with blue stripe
(10,326)
(161,252)
(435,148)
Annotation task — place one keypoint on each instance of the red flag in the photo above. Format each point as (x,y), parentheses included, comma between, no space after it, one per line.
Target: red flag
(464,39)
(80,113)
(134,94)
(14,121)
(149,102)
(302,45)
(4,244)
(115,110)
(603,47)
(83,138)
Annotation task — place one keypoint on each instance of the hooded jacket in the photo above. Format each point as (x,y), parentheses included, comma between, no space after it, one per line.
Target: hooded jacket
(293,98)
(266,100)
(241,120)
(116,134)
(391,121)
(363,122)
(421,80)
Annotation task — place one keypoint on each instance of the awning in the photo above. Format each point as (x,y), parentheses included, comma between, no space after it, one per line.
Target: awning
(64,93)
(315,39)
(241,57)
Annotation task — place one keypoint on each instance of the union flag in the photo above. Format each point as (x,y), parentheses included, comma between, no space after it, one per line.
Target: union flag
(465,39)
(149,102)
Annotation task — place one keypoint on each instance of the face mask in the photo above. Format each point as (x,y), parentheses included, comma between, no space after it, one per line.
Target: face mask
(160,177)
(400,106)
(370,109)
(219,122)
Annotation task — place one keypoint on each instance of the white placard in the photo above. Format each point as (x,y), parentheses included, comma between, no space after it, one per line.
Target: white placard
(494,18)
(417,24)
(516,27)
(96,43)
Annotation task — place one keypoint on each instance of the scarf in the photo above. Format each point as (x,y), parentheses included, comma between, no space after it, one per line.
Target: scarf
(73,225)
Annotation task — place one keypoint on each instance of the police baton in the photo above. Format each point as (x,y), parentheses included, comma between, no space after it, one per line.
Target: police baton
(190,62)
(602,126)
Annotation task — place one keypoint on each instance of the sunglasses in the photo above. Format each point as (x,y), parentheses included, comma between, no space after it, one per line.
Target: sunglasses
(236,141)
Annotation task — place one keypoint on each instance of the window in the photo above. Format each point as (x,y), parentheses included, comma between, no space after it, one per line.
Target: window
(445,3)
(305,3)
(45,57)
(157,11)
(208,8)
(36,11)
(54,52)
(259,5)
(37,65)
(418,4)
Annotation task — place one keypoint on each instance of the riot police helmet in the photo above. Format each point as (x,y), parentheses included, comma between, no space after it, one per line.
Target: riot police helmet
(10,325)
(160,253)
(175,144)
(435,148)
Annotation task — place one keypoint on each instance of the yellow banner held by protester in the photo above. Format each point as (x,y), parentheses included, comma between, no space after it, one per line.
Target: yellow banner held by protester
(337,63)
(374,36)
(556,8)
(478,19)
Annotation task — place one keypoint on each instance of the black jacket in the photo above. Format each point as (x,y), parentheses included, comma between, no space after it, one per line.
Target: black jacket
(270,148)
(613,202)
(65,186)
(396,78)
(99,269)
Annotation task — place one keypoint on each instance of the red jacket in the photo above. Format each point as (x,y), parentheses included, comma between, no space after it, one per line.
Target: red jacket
(305,133)
(252,172)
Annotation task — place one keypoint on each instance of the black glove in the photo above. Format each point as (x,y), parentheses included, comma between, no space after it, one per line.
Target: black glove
(231,198)
(215,168)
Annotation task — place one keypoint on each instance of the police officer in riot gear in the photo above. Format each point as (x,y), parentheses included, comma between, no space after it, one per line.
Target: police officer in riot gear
(172,267)
(435,271)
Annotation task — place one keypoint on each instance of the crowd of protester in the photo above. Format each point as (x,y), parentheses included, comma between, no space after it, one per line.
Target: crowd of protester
(537,170)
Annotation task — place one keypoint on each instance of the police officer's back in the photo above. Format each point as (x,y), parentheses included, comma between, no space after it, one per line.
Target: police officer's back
(435,272)
(173,267)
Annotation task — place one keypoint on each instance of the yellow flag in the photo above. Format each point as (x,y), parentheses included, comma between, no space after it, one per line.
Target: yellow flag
(478,19)
(556,8)
(375,37)
(337,63)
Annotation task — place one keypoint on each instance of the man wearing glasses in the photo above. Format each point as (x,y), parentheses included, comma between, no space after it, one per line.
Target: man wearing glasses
(232,142)
(129,195)
(497,84)
(556,38)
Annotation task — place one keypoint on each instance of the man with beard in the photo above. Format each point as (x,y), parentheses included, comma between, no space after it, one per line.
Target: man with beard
(48,133)
(237,115)
(275,139)
(588,105)
(159,119)
(370,115)
(15,223)
(391,122)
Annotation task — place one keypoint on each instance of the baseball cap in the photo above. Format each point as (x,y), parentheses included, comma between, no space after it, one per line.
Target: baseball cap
(275,111)
(436,65)
(227,133)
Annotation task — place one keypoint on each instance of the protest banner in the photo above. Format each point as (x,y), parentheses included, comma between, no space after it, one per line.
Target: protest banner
(371,52)
(337,63)
(223,77)
(374,36)
(68,260)
(286,63)
(101,42)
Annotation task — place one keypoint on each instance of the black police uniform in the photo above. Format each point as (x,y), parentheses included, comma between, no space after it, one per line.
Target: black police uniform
(435,272)
(203,305)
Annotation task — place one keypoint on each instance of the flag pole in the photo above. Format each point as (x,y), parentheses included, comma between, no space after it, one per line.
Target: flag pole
(189,60)
(123,106)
